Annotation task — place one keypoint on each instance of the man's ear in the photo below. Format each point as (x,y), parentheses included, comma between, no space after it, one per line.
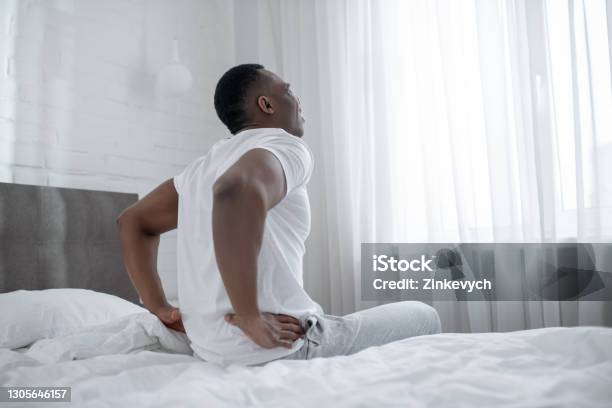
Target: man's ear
(264,104)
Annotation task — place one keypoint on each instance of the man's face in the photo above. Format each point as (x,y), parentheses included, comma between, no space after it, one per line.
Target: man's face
(286,106)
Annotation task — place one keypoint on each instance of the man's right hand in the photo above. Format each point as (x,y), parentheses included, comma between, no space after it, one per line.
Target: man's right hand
(269,330)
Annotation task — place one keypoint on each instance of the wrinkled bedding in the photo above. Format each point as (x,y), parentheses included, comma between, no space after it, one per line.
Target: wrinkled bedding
(135,361)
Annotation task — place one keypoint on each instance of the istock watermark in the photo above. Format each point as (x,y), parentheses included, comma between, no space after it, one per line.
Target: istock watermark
(486,271)
(383,263)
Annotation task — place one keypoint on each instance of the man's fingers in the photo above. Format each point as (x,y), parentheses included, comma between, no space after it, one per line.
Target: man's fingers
(286,319)
(175,315)
(289,335)
(284,343)
(166,318)
(169,315)
(296,328)
(290,323)
(178,326)
(283,318)
(174,325)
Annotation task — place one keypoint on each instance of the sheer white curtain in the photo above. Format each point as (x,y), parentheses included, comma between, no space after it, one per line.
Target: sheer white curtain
(446,121)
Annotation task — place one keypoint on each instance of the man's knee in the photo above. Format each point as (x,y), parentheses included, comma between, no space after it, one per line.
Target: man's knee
(427,316)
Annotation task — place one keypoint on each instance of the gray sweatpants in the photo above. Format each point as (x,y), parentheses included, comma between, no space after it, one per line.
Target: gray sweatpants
(328,335)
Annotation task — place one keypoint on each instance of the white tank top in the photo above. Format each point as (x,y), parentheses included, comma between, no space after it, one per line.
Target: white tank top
(202,296)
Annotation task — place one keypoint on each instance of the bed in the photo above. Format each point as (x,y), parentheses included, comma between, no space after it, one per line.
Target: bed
(125,357)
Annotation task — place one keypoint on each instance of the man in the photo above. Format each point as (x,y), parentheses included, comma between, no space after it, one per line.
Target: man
(243,215)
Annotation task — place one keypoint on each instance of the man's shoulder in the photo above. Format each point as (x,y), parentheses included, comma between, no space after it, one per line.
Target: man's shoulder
(283,140)
(268,134)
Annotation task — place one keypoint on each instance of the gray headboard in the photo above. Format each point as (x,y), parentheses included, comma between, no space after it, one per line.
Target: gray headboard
(54,237)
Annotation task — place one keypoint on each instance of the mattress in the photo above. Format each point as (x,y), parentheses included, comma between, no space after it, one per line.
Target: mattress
(135,362)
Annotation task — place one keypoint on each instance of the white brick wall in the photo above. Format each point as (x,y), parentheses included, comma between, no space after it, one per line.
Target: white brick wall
(78,104)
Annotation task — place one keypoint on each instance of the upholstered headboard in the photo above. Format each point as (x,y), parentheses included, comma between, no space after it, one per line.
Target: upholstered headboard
(54,237)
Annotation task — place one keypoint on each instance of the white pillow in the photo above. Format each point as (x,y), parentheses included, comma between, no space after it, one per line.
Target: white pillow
(30,315)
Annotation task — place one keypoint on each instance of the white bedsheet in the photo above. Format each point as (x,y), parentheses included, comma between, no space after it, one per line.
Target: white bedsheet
(138,362)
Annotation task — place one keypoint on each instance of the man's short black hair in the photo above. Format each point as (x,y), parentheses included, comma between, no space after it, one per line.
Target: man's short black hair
(230,95)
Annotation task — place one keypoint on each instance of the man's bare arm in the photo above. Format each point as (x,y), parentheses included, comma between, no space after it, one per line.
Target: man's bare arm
(242,197)
(140,227)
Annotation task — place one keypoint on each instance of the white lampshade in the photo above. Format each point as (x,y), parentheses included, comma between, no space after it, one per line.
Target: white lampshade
(175,78)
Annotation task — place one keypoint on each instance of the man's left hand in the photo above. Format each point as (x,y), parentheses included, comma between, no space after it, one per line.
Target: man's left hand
(171,318)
